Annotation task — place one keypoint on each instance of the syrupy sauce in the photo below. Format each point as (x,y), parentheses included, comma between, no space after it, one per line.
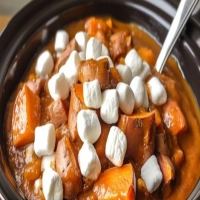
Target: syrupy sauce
(187,174)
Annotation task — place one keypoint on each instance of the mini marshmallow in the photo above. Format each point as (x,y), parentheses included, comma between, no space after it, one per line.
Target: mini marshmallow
(82,55)
(151,174)
(88,126)
(38,186)
(44,65)
(52,185)
(109,60)
(134,61)
(158,94)
(45,140)
(61,40)
(93,49)
(126,98)
(92,94)
(109,106)
(48,161)
(145,71)
(81,38)
(116,146)
(58,87)
(70,68)
(104,51)
(29,153)
(89,162)
(140,93)
(125,73)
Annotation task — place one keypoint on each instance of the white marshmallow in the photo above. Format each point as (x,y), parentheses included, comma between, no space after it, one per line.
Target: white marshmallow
(89,162)
(145,70)
(44,65)
(52,185)
(93,49)
(157,91)
(61,41)
(82,55)
(88,126)
(116,146)
(92,94)
(48,161)
(125,73)
(58,86)
(29,153)
(134,61)
(140,93)
(104,51)
(109,107)
(70,68)
(151,174)
(45,139)
(109,60)
(126,98)
(38,186)
(81,38)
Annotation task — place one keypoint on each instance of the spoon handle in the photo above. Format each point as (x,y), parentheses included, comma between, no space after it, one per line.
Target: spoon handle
(184,11)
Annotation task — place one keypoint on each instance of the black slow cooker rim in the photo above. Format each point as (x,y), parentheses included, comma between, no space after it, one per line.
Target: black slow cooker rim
(16,24)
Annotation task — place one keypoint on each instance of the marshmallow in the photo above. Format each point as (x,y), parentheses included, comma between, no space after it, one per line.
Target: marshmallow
(145,71)
(52,185)
(116,146)
(82,55)
(70,68)
(151,174)
(81,38)
(61,40)
(44,65)
(29,153)
(104,50)
(125,73)
(88,126)
(92,94)
(48,161)
(158,94)
(109,106)
(93,49)
(126,98)
(58,87)
(140,93)
(134,61)
(109,60)
(38,186)
(45,139)
(89,162)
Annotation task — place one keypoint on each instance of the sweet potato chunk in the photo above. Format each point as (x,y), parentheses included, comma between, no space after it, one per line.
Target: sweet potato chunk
(140,133)
(116,183)
(174,118)
(168,172)
(100,146)
(68,169)
(35,85)
(26,116)
(147,55)
(92,69)
(73,45)
(115,77)
(161,143)
(58,112)
(76,104)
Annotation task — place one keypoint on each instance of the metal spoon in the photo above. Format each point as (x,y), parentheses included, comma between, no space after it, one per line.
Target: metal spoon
(184,11)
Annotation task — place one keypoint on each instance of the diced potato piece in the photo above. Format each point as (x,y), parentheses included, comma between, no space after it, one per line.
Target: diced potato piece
(26,117)
(68,169)
(140,132)
(174,118)
(116,183)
